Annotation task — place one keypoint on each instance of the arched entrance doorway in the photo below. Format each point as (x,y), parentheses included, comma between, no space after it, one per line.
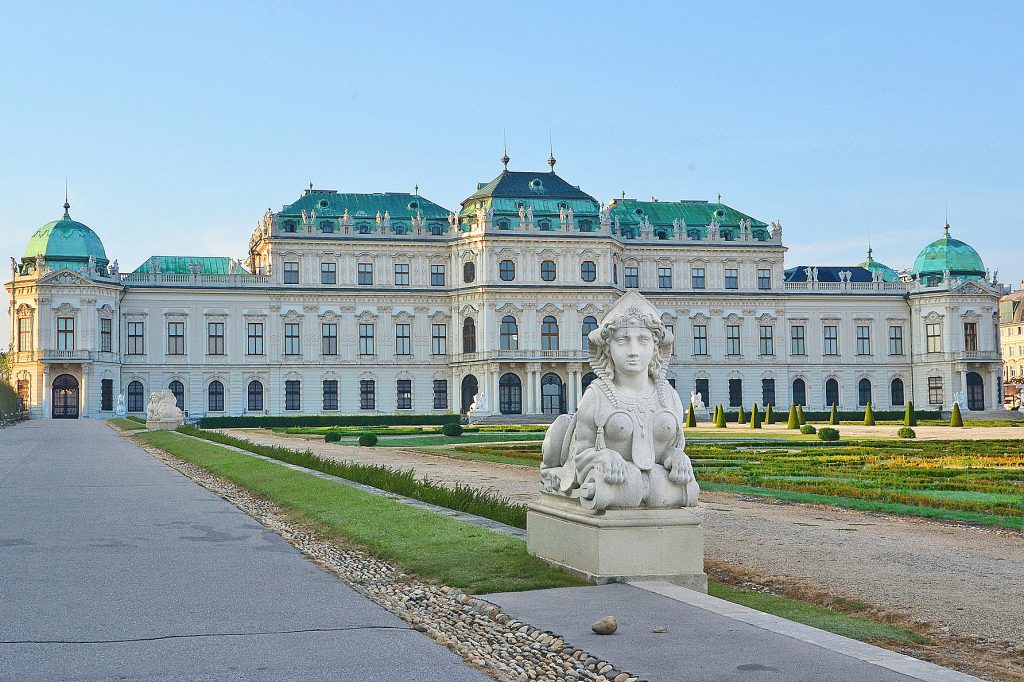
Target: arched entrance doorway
(65,397)
(552,394)
(470,387)
(975,391)
(510,394)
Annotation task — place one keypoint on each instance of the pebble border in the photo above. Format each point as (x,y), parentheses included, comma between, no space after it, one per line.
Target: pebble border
(476,630)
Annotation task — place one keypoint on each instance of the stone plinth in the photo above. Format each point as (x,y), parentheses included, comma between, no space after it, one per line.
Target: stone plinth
(618,544)
(162,424)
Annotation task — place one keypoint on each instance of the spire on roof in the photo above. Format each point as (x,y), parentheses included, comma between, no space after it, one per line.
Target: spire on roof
(416,189)
(504,157)
(946,228)
(719,197)
(66,204)
(551,154)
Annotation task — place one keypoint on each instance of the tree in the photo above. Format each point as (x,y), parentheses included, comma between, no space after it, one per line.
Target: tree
(869,415)
(691,418)
(833,416)
(5,366)
(957,419)
(755,417)
(793,422)
(909,418)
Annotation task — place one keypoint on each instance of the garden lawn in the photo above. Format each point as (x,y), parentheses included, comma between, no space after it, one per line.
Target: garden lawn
(128,424)
(431,545)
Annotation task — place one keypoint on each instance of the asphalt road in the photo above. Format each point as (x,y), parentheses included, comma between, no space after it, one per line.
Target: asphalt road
(113,565)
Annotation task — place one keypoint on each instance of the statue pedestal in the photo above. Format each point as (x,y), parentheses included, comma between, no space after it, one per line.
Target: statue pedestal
(162,424)
(618,544)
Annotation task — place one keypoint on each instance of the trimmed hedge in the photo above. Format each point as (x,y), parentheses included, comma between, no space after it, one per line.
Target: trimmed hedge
(906,432)
(827,434)
(452,429)
(8,399)
(887,415)
(368,440)
(332,436)
(808,430)
(329,420)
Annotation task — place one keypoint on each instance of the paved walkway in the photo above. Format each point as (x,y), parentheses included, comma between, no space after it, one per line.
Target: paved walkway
(112,565)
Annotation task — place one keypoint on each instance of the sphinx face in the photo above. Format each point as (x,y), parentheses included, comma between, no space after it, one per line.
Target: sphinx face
(632,349)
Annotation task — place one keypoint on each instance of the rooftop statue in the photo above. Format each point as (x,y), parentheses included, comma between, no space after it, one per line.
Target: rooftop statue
(624,447)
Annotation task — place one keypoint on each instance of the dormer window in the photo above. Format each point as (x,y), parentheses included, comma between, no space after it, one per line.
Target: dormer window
(289,226)
(586,226)
(363,228)
(323,203)
(536,185)
(326,226)
(544,224)
(436,229)
(504,224)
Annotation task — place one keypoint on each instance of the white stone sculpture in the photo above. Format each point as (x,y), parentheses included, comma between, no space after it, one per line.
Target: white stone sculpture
(120,410)
(624,447)
(163,414)
(696,401)
(960,398)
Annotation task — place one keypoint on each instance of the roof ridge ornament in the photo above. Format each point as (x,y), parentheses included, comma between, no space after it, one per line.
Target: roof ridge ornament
(504,157)
(67,206)
(551,154)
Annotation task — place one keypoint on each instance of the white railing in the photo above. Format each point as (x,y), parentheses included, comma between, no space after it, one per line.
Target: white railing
(859,287)
(167,278)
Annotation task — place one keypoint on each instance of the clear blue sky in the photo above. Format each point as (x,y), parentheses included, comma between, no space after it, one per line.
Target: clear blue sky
(177,127)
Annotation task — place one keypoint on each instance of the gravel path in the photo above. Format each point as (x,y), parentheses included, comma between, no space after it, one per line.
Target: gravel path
(965,578)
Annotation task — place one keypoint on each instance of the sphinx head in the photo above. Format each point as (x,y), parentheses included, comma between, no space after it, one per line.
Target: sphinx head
(630,339)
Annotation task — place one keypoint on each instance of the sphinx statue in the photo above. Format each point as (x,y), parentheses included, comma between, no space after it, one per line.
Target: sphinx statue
(624,448)
(162,413)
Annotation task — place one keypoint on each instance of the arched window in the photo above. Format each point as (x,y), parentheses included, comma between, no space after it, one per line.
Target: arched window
(589,325)
(896,391)
(586,226)
(544,224)
(178,389)
(255,396)
(552,395)
(469,335)
(588,271)
(510,394)
(661,233)
(507,270)
(548,271)
(799,392)
(549,333)
(863,392)
(831,393)
(470,387)
(587,379)
(509,333)
(135,399)
(504,224)
(216,396)
(468,272)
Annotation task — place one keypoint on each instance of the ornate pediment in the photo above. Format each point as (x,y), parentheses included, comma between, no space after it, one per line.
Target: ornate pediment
(933,317)
(509,309)
(66,309)
(469,310)
(65,277)
(550,309)
(25,310)
(589,309)
(970,288)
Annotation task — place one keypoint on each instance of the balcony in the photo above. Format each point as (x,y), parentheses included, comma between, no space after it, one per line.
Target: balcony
(978,355)
(51,355)
(190,280)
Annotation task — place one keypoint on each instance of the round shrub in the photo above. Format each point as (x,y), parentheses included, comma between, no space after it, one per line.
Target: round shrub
(451,429)
(827,434)
(807,429)
(332,436)
(368,440)
(906,432)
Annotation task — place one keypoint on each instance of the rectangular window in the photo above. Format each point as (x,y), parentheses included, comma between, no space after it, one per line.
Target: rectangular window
(798,339)
(735,392)
(700,339)
(65,333)
(764,278)
(367,394)
(697,278)
(935,390)
(365,273)
(106,334)
(664,278)
(292,395)
(136,338)
(437,275)
(440,394)
(291,338)
(703,387)
(970,336)
(215,338)
(328,273)
(767,392)
(404,394)
(366,346)
(732,339)
(632,277)
(732,278)
(831,337)
(107,394)
(291,272)
(401,274)
(933,336)
(329,338)
(896,340)
(439,339)
(863,339)
(25,333)
(767,340)
(254,338)
(175,338)
(403,339)
(330,394)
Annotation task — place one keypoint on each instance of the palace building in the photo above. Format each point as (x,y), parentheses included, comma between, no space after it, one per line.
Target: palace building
(390,303)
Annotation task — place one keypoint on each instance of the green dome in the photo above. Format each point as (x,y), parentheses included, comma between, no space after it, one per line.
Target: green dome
(66,243)
(873,266)
(960,259)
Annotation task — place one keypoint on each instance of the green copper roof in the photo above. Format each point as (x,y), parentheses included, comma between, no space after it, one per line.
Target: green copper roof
(528,185)
(888,274)
(697,215)
(330,204)
(66,243)
(185,265)
(950,254)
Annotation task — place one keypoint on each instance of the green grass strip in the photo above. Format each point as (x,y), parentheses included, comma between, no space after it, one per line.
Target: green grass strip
(853,627)
(458,497)
(128,424)
(429,544)
(869,505)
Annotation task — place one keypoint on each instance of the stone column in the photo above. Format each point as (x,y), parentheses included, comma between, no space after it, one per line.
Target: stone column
(86,387)
(492,400)
(46,392)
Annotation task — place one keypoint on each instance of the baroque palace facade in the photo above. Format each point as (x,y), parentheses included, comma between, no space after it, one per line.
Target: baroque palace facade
(389,303)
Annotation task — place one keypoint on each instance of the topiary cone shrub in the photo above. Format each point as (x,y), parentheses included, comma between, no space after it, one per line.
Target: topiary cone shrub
(691,418)
(909,418)
(368,440)
(769,416)
(714,417)
(720,423)
(742,418)
(869,415)
(452,429)
(332,436)
(800,415)
(793,422)
(833,417)
(755,417)
(957,419)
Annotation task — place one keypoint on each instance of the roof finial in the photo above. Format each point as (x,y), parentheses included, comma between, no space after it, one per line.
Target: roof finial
(946,228)
(66,204)
(504,157)
(719,197)
(416,189)
(551,154)
(310,185)
(869,244)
